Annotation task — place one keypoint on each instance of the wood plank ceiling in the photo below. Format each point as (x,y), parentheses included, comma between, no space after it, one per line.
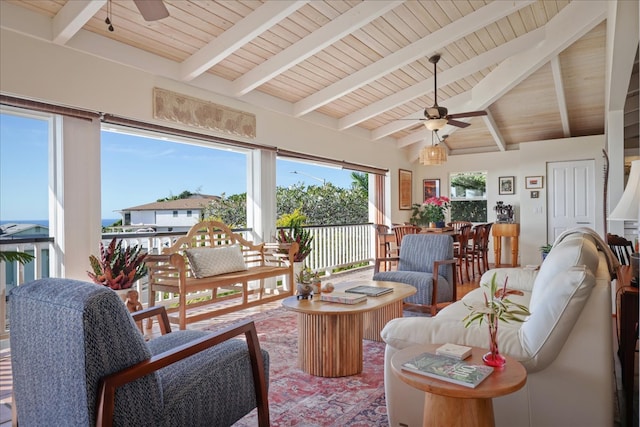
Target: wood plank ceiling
(536,67)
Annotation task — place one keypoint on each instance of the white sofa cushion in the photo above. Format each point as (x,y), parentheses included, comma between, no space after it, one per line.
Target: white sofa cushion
(575,250)
(548,327)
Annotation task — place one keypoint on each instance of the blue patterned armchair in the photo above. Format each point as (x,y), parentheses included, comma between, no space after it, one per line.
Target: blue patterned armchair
(78,359)
(426,262)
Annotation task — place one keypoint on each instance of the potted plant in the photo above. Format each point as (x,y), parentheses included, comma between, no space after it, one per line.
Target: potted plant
(118,267)
(544,250)
(431,212)
(496,307)
(307,282)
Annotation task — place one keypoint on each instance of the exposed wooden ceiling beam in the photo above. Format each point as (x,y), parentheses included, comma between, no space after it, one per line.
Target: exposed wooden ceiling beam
(571,23)
(72,17)
(336,29)
(622,44)
(251,26)
(562,101)
(475,64)
(495,131)
(425,46)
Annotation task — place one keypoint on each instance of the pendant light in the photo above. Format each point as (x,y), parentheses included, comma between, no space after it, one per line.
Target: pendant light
(435,154)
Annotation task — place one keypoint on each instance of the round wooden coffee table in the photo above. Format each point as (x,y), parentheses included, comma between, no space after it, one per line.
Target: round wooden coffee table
(330,334)
(449,404)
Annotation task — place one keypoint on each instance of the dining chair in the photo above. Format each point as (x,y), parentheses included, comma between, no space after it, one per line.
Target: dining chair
(621,247)
(456,225)
(383,247)
(474,249)
(460,250)
(484,246)
(401,231)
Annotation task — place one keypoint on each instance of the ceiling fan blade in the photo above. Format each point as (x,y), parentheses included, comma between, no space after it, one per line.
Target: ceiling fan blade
(152,10)
(467,114)
(420,126)
(458,123)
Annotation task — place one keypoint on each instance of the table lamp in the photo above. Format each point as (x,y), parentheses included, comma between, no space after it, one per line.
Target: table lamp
(628,208)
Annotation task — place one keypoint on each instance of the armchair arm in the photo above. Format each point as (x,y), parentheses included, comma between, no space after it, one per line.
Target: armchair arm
(109,384)
(160,311)
(281,251)
(385,260)
(454,285)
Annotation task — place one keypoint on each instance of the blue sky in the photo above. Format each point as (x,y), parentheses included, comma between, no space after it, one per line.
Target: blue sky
(135,170)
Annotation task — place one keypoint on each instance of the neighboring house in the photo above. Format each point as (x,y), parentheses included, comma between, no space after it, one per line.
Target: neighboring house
(169,215)
(21,231)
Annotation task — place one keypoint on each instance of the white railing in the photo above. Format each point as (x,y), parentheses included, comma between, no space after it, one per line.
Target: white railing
(333,247)
(14,274)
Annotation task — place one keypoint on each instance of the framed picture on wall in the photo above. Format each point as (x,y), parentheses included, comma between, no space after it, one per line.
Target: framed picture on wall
(404,190)
(506,185)
(430,188)
(533,182)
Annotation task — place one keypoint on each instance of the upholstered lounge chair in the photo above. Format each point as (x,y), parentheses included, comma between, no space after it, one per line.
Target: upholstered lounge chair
(78,359)
(426,262)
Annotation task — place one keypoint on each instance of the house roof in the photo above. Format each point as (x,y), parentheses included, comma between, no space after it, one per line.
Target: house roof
(538,68)
(13,229)
(193,203)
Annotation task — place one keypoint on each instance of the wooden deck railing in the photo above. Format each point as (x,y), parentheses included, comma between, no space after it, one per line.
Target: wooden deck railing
(333,247)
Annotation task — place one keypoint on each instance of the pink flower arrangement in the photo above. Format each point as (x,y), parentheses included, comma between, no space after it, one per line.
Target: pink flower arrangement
(432,210)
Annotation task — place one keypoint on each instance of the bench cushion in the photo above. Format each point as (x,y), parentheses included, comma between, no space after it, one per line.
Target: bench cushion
(212,261)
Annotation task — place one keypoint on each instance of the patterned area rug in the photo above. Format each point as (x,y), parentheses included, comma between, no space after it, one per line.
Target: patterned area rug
(300,399)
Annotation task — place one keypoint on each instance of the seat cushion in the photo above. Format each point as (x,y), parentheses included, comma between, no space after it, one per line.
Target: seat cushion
(423,282)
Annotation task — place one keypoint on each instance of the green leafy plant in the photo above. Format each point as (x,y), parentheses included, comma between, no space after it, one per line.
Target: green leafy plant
(499,307)
(296,233)
(12,256)
(118,267)
(306,275)
(546,248)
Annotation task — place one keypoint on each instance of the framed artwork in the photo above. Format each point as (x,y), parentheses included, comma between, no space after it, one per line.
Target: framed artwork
(533,182)
(404,190)
(535,194)
(430,188)
(506,185)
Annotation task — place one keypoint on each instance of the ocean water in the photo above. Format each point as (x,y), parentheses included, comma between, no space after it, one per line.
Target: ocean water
(45,222)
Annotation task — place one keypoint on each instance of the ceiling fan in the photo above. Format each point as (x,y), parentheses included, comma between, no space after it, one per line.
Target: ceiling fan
(437,117)
(151,10)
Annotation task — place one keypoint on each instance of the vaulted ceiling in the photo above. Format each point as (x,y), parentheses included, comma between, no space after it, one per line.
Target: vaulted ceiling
(536,67)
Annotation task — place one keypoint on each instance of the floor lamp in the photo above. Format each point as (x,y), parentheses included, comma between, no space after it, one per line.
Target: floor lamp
(628,209)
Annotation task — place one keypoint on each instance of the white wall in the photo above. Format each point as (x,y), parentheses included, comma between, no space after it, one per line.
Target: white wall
(530,160)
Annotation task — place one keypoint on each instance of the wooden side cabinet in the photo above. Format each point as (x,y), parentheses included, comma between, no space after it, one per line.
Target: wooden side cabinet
(500,230)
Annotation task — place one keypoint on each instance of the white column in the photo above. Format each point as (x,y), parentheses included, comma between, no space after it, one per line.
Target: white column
(261,194)
(74,195)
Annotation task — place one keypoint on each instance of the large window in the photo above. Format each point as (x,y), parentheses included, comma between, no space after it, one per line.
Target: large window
(469,196)
(140,168)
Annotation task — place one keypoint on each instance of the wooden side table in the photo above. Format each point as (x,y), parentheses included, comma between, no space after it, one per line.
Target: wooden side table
(449,404)
(627,318)
(500,230)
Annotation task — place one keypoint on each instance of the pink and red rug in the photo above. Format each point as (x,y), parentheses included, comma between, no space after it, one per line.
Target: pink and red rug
(300,399)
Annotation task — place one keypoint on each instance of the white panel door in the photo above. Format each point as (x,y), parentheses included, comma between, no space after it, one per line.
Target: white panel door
(571,195)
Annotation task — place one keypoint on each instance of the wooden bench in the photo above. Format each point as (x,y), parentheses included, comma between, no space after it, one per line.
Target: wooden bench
(171,272)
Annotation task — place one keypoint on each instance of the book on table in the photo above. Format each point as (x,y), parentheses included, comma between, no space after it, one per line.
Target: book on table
(454,350)
(370,291)
(448,369)
(342,298)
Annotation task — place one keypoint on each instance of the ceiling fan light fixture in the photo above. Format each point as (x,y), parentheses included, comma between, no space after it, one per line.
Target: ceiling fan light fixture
(435,124)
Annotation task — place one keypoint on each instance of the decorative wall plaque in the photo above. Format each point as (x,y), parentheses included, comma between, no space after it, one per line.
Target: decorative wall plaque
(177,108)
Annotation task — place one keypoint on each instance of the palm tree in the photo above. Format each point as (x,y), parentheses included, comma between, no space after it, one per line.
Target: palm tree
(360,180)
(12,256)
